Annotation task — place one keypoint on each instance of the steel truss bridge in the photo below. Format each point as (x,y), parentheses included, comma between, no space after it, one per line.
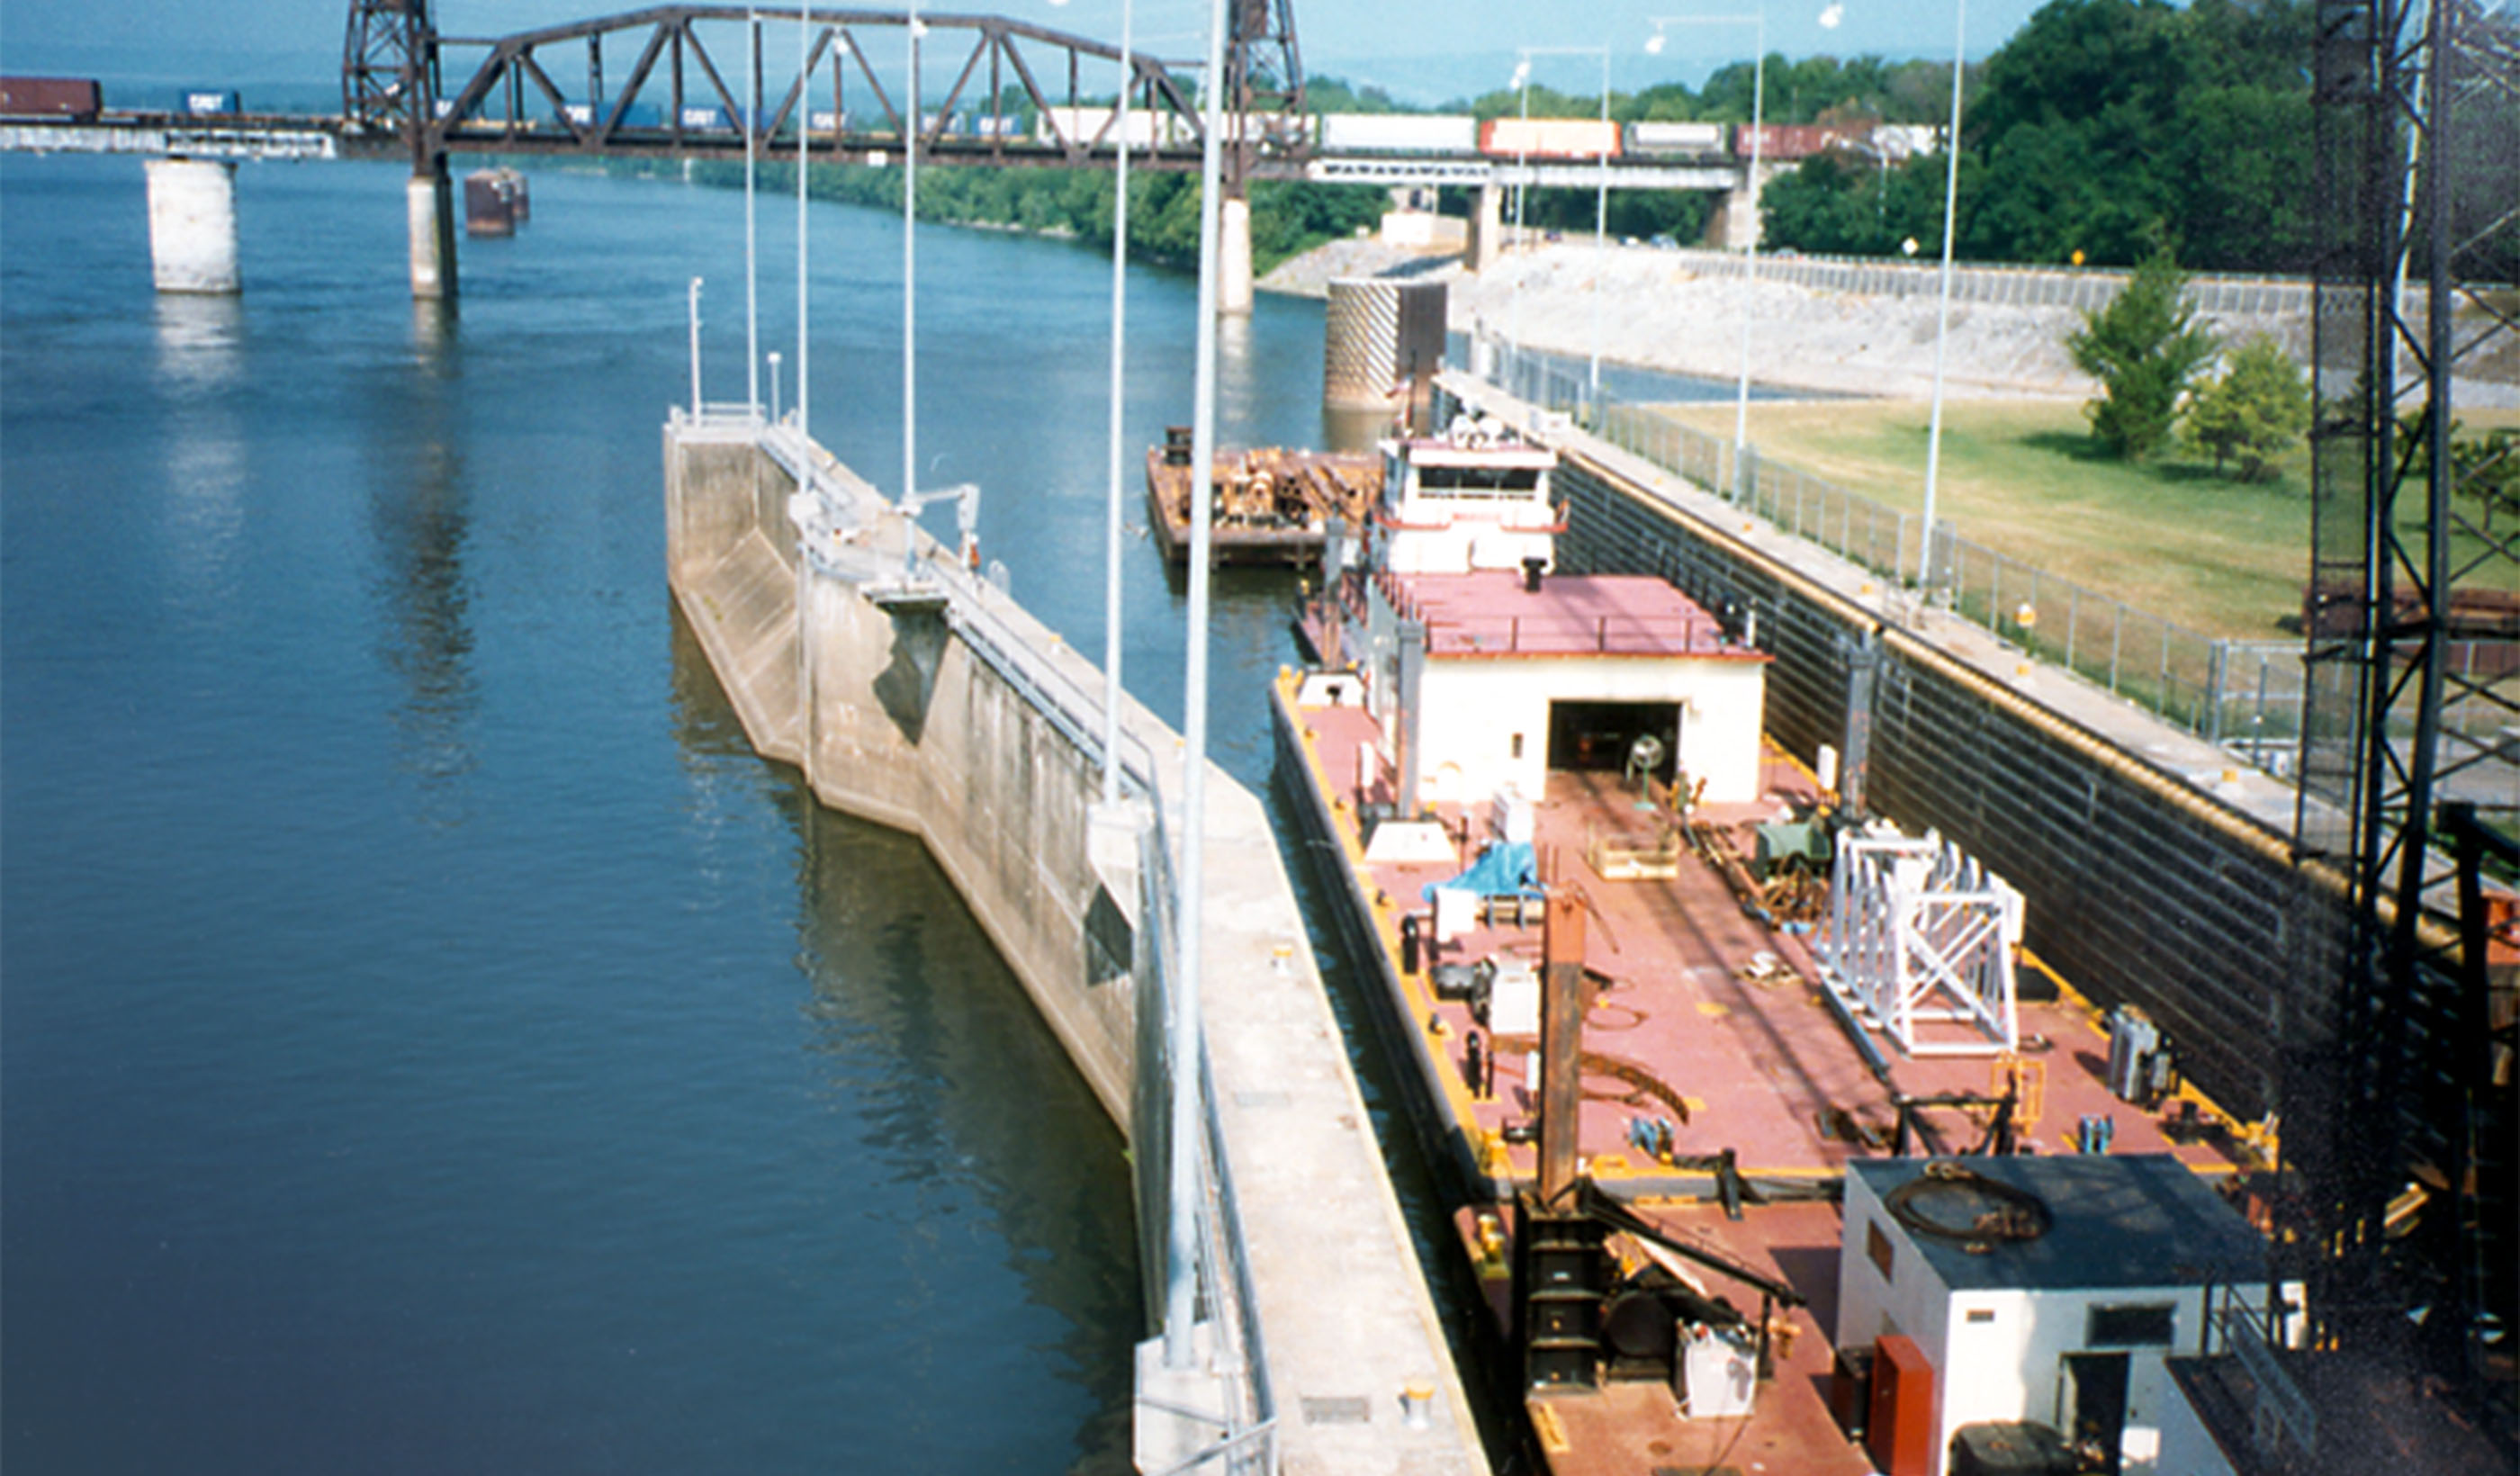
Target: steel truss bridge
(716,81)
(702,81)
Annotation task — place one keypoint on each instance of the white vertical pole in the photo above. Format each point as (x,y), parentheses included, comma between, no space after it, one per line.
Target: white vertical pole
(696,346)
(1112,691)
(1600,241)
(1522,187)
(804,361)
(751,274)
(1182,1030)
(1943,317)
(911,114)
(1750,255)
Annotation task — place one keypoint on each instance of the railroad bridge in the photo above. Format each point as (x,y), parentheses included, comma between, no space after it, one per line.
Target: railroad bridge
(723,81)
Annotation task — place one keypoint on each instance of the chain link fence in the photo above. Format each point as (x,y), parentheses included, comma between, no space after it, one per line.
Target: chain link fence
(2245,696)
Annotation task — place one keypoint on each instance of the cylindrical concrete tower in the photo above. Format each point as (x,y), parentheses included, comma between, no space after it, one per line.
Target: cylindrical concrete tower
(1382,341)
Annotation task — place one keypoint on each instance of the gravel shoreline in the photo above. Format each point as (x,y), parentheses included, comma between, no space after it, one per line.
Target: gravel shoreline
(1654,312)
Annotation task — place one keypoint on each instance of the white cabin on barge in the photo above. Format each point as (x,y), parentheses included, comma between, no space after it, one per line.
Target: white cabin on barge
(1486,670)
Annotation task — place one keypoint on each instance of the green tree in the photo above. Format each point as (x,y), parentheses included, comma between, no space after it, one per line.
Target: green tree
(2256,410)
(2143,348)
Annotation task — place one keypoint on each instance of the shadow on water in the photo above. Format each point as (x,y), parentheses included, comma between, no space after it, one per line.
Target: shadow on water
(420,515)
(967,1107)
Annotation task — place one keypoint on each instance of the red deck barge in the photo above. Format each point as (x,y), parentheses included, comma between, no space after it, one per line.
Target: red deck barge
(1713,1064)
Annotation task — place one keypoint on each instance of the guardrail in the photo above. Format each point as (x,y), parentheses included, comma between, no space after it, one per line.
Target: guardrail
(2085,288)
(2246,696)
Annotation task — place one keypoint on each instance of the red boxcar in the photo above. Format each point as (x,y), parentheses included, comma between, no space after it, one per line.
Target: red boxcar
(1549,138)
(51,96)
(1782,141)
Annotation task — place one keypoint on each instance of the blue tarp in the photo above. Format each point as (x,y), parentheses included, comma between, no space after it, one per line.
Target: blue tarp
(1503,870)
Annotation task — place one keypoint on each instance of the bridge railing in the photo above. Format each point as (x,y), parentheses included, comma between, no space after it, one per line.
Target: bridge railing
(2246,696)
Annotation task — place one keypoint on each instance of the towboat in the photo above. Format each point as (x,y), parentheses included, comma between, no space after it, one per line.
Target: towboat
(1678,1027)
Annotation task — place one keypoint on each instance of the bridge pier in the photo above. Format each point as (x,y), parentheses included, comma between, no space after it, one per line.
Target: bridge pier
(1734,226)
(430,199)
(1487,228)
(1233,255)
(191,225)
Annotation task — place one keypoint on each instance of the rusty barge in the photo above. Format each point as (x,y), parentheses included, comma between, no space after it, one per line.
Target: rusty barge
(1766,1145)
(1271,505)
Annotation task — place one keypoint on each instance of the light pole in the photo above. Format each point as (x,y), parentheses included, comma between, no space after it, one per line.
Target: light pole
(1119,358)
(1757,18)
(1943,315)
(1602,205)
(913,117)
(1521,146)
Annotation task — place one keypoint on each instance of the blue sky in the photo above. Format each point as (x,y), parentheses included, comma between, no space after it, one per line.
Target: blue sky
(1421,52)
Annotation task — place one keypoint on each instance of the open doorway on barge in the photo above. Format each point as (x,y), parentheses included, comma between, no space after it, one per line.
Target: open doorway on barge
(1627,738)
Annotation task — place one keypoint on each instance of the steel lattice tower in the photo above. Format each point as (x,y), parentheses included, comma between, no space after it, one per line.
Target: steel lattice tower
(1264,81)
(2402,1138)
(389,68)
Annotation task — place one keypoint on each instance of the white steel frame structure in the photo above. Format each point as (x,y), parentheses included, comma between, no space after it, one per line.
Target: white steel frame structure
(1920,935)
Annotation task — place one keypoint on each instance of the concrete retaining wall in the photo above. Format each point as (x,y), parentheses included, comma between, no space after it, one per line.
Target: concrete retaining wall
(893,720)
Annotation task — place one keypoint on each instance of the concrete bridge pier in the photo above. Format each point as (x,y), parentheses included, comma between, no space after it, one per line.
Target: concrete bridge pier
(1487,228)
(430,198)
(1233,255)
(191,225)
(1735,224)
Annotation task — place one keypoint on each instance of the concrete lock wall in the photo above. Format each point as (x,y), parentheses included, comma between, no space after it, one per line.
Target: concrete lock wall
(2139,889)
(893,720)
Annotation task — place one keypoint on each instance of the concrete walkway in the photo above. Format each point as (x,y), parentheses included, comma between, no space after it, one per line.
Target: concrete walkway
(1342,1300)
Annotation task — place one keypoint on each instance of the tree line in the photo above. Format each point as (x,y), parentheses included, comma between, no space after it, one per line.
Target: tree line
(1287,217)
(2102,132)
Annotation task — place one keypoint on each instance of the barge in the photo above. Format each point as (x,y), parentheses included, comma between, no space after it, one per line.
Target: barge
(1271,505)
(1677,1029)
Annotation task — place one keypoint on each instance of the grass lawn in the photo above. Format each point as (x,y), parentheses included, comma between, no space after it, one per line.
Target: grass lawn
(2025,479)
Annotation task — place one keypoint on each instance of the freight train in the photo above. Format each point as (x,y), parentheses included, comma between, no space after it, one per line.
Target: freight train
(1520,137)
(80,99)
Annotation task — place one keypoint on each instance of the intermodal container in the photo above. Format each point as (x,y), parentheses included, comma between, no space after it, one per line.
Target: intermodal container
(1398,133)
(202,102)
(1549,138)
(1095,125)
(1676,140)
(51,96)
(697,120)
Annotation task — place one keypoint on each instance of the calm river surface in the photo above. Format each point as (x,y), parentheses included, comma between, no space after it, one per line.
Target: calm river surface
(432,1042)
